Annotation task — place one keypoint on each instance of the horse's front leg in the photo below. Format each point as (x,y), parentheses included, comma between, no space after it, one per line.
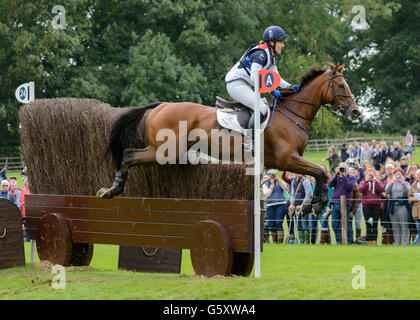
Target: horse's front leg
(295,163)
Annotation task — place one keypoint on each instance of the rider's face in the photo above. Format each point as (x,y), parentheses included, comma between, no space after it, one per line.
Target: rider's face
(279,46)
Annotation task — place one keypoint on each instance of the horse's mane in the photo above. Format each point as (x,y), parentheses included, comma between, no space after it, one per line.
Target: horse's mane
(306,78)
(310,75)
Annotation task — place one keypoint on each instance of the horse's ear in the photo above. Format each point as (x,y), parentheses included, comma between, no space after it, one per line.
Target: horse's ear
(337,65)
(340,69)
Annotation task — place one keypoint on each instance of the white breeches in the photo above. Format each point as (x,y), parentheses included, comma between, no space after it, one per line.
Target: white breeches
(242,92)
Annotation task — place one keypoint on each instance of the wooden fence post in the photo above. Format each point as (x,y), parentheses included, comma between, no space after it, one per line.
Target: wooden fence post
(343,220)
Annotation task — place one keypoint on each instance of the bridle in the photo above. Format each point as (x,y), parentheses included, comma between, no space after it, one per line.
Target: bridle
(326,106)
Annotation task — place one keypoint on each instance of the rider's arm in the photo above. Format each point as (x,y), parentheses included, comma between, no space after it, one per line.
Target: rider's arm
(258,60)
(283,83)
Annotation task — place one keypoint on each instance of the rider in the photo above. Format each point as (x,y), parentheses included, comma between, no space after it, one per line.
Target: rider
(240,79)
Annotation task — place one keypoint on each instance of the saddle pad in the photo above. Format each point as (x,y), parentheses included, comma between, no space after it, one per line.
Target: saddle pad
(230,121)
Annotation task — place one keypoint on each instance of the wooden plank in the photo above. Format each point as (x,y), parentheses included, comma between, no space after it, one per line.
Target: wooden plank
(173,229)
(138,216)
(162,204)
(135,240)
(112,230)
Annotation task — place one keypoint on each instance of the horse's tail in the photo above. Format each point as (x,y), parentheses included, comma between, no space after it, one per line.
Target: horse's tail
(124,132)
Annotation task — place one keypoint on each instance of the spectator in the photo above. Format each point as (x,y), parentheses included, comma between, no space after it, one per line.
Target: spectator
(377,157)
(414,198)
(396,152)
(325,237)
(366,164)
(371,189)
(277,197)
(404,164)
(356,151)
(343,184)
(388,174)
(408,142)
(24,190)
(5,191)
(355,205)
(344,154)
(365,153)
(372,144)
(384,152)
(398,207)
(300,193)
(360,171)
(3,173)
(333,159)
(350,152)
(411,173)
(14,190)
(387,177)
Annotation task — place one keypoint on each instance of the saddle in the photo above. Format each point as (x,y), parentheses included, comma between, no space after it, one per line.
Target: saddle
(243,113)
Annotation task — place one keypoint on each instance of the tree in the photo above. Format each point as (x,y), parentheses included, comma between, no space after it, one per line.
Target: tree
(389,54)
(154,73)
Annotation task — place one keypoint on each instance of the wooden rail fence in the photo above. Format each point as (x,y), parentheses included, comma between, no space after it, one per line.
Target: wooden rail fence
(323,144)
(13,163)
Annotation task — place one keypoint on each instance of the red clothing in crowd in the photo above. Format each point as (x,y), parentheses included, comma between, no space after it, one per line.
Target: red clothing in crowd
(23,191)
(371,192)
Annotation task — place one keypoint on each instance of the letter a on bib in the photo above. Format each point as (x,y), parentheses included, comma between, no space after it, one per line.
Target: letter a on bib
(268,80)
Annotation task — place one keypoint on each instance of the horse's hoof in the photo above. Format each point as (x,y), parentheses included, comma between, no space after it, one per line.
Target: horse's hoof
(103,193)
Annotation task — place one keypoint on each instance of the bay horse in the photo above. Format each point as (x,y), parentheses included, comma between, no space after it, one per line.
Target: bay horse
(284,140)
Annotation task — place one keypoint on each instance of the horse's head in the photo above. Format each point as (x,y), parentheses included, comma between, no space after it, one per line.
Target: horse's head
(338,93)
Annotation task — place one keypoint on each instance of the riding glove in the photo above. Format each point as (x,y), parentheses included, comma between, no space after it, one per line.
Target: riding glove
(276,93)
(296,88)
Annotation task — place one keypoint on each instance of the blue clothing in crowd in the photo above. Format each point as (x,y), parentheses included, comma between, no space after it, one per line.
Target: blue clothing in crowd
(7,195)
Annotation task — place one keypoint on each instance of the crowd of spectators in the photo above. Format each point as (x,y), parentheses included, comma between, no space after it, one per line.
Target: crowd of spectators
(10,190)
(379,184)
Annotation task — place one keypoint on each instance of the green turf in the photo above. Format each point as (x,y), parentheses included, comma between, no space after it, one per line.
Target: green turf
(288,272)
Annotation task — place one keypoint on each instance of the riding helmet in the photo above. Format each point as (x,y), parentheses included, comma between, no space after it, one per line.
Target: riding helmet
(274,33)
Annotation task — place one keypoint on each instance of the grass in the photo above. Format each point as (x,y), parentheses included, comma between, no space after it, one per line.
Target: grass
(288,272)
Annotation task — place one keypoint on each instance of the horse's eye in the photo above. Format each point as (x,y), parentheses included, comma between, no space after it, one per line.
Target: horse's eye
(341,86)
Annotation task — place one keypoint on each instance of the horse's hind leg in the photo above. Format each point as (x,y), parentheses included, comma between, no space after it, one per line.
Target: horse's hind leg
(131,157)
